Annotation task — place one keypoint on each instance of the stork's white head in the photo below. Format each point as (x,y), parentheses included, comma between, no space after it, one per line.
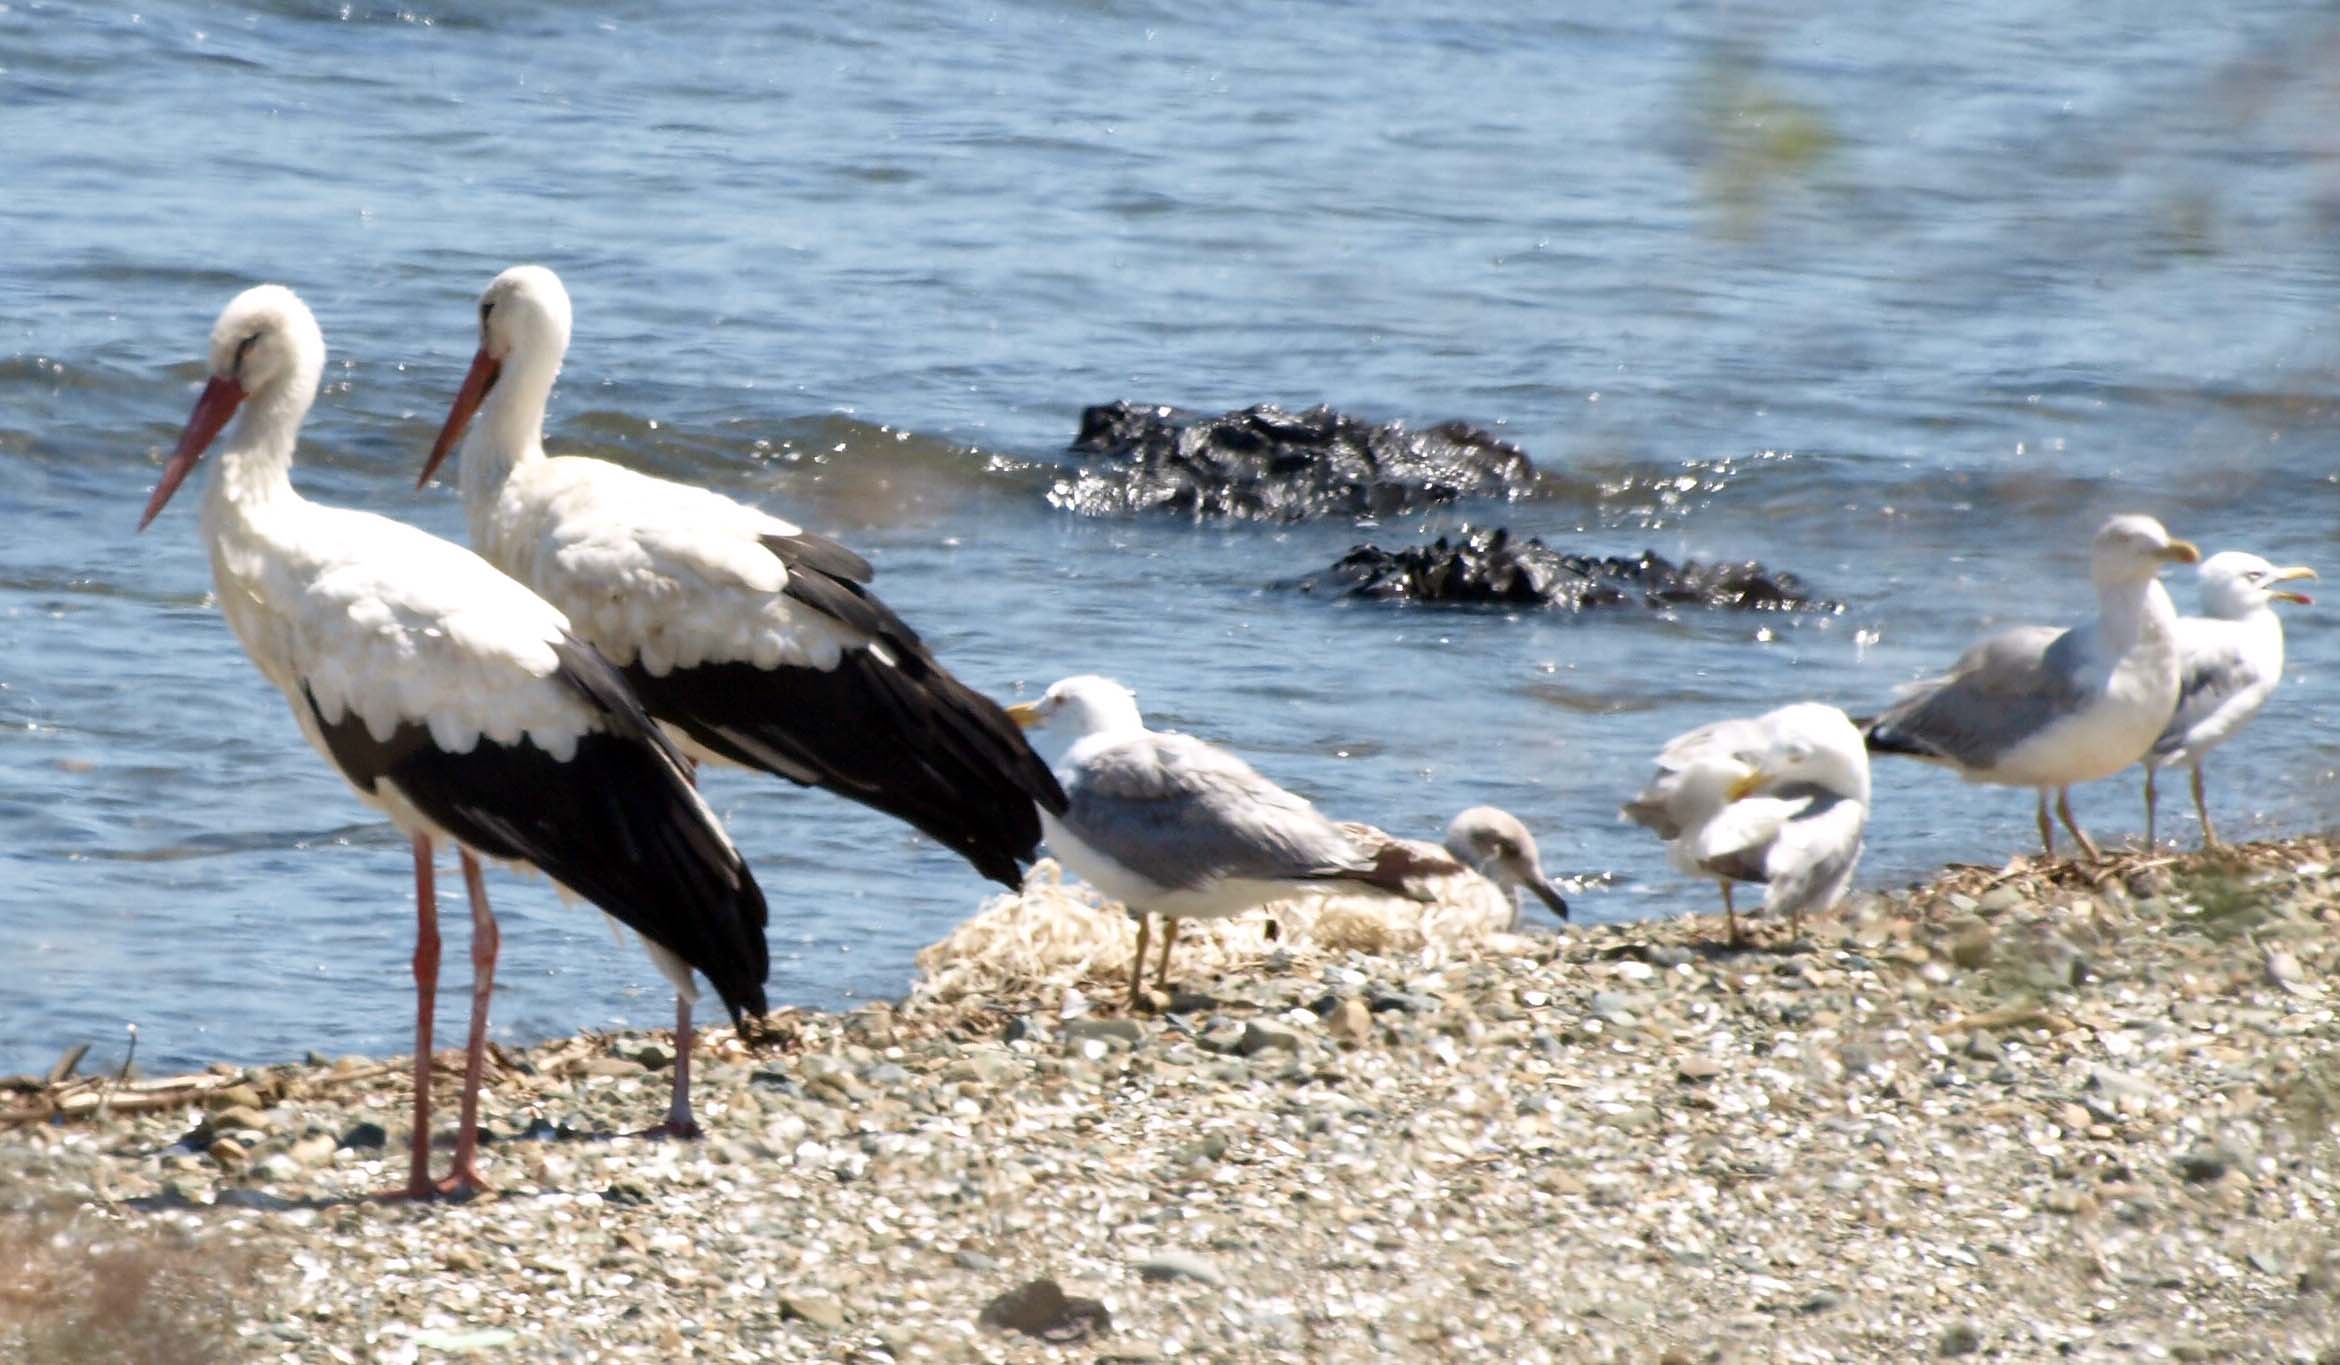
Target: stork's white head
(524,321)
(266,347)
(1074,708)
(2132,548)
(2235,584)
(524,316)
(1811,744)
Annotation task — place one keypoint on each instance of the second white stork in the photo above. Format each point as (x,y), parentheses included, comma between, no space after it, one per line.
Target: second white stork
(758,643)
(456,702)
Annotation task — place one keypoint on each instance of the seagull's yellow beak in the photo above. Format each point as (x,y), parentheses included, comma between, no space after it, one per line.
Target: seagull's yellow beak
(2289,574)
(2181,552)
(1747,786)
(1025,714)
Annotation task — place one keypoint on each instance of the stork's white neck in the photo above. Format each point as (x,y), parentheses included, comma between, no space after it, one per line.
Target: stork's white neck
(509,431)
(255,461)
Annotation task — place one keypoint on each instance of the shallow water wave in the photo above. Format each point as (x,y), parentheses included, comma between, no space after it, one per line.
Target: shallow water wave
(1899,303)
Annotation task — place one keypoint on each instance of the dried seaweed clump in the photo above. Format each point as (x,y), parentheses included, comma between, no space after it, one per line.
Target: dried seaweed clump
(1490,568)
(1264,462)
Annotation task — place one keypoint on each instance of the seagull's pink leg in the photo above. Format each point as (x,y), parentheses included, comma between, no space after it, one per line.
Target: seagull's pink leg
(484,938)
(426,990)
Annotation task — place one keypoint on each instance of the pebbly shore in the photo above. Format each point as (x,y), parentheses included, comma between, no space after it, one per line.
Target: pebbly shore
(2019,1113)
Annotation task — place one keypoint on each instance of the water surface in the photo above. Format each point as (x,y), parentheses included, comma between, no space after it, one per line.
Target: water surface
(1903,304)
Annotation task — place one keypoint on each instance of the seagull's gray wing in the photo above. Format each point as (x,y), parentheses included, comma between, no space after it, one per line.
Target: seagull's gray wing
(2216,672)
(1183,814)
(2005,689)
(1812,860)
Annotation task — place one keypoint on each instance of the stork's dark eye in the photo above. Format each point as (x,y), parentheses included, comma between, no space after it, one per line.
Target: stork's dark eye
(486,306)
(243,348)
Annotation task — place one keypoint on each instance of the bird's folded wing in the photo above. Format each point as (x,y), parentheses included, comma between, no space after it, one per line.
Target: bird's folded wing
(2006,689)
(1183,814)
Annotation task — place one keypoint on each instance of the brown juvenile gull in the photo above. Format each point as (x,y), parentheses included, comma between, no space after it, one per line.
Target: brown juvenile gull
(1497,846)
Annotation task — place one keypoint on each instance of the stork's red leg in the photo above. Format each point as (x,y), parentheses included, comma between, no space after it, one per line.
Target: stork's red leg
(484,939)
(679,1123)
(426,989)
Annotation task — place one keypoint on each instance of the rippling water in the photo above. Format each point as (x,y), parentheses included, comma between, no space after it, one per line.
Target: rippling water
(1903,305)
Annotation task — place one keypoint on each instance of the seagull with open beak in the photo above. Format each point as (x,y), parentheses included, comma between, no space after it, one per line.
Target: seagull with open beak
(2232,658)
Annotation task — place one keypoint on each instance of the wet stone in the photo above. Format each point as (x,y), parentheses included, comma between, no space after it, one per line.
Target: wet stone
(279,1168)
(1261,1037)
(238,1119)
(1350,1021)
(821,1310)
(1178,1265)
(1040,1308)
(234,1097)
(1124,1032)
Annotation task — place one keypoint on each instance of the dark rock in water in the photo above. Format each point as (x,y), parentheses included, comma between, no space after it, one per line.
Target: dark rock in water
(1275,465)
(1489,567)
(1042,1309)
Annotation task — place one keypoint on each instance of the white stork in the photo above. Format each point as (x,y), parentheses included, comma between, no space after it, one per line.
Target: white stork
(759,644)
(456,702)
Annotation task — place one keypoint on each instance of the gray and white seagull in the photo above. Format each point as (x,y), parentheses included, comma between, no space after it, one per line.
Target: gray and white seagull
(1169,825)
(2035,706)
(2231,657)
(1781,799)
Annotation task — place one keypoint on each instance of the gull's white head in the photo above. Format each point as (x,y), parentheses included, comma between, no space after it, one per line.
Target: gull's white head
(1077,707)
(524,321)
(1811,744)
(266,348)
(1497,846)
(2132,548)
(2235,584)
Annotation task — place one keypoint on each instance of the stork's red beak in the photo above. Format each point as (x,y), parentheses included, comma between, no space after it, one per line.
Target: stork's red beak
(219,401)
(484,370)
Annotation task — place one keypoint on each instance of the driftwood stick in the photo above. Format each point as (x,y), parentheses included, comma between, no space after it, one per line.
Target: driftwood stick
(66,1064)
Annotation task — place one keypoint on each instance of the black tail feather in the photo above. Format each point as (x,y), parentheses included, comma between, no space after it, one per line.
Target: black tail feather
(905,738)
(615,822)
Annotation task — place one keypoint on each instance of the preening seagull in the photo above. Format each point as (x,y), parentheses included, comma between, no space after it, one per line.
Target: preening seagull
(1169,825)
(1497,846)
(756,642)
(1781,799)
(2231,657)
(456,702)
(2039,707)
